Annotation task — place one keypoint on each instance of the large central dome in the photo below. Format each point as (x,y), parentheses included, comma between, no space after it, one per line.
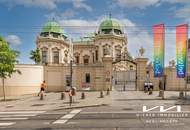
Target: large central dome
(53,29)
(109,25)
(52,26)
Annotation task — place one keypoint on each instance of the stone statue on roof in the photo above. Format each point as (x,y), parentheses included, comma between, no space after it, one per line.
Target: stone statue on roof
(141,51)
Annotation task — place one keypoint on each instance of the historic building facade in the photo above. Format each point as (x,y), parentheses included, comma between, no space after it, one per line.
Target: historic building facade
(92,56)
(100,61)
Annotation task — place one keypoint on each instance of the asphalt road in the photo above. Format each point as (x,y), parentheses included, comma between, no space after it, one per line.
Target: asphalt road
(116,116)
(92,119)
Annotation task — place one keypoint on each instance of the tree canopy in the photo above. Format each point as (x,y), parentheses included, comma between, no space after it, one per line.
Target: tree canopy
(35,56)
(8,59)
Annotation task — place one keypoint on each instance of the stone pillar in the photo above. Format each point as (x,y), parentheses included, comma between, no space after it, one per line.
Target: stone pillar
(107,62)
(141,72)
(50,56)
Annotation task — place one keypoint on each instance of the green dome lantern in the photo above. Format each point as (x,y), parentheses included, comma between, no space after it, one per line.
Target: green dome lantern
(110,24)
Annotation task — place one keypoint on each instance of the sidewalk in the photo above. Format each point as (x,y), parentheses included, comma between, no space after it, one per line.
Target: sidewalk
(52,101)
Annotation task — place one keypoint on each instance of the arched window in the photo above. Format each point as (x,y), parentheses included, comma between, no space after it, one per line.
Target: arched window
(55,56)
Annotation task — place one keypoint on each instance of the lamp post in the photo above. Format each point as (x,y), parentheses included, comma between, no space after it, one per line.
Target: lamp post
(71,70)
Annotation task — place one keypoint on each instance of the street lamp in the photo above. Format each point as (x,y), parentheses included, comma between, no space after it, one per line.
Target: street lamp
(71,69)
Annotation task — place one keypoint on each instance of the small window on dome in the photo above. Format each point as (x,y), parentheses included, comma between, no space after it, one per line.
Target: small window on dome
(44,34)
(55,35)
(106,31)
(118,32)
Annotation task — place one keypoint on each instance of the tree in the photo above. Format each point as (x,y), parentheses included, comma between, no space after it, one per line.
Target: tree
(8,59)
(35,56)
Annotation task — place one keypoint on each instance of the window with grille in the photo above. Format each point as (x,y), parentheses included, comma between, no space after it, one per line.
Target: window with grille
(87,78)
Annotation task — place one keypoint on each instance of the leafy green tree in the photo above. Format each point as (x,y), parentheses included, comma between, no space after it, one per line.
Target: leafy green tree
(8,59)
(35,56)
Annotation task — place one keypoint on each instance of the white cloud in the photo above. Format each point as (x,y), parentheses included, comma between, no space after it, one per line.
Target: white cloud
(13,39)
(137,3)
(138,36)
(81,4)
(176,1)
(48,4)
(142,4)
(79,27)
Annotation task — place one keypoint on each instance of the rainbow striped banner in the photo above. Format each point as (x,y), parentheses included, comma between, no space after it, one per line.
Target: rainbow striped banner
(159,39)
(181,49)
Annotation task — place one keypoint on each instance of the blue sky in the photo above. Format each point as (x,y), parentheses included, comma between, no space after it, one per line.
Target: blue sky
(21,20)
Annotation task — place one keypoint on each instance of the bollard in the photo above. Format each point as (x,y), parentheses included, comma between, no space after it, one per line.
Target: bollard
(108,91)
(124,88)
(101,94)
(82,95)
(150,91)
(62,96)
(161,94)
(41,96)
(181,95)
(146,89)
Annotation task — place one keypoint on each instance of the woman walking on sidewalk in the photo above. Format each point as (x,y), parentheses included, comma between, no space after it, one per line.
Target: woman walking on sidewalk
(42,88)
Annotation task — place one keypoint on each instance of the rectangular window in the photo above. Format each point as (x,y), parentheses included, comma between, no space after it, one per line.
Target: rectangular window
(77,59)
(93,57)
(87,78)
(44,57)
(96,55)
(68,80)
(56,57)
(86,60)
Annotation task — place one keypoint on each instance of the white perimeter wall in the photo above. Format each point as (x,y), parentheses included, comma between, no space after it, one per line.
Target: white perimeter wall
(26,83)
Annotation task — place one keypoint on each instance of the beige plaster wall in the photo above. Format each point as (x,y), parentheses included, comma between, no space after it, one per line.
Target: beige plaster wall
(26,83)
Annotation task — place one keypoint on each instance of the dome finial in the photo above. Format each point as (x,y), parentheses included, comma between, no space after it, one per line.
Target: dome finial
(110,15)
(53,19)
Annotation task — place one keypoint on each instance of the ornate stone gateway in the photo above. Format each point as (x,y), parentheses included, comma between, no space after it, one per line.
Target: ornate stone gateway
(124,76)
(125,80)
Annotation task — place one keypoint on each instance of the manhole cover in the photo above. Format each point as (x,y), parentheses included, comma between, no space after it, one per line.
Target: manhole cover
(38,105)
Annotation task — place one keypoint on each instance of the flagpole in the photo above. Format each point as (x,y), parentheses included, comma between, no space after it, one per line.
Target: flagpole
(186,64)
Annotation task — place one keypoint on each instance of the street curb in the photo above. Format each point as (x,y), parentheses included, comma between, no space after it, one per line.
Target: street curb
(75,107)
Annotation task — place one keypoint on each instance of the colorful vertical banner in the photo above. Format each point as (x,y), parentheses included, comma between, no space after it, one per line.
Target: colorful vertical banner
(159,39)
(181,49)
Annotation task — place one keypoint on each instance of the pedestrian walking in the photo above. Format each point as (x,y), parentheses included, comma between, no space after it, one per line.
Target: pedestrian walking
(42,88)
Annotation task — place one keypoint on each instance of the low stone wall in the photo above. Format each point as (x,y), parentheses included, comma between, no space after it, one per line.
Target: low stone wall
(172,83)
(26,83)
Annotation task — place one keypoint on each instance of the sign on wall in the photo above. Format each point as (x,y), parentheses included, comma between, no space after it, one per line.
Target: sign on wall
(159,39)
(181,49)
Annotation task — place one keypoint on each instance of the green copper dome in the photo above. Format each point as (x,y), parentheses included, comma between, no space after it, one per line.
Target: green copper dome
(53,27)
(109,24)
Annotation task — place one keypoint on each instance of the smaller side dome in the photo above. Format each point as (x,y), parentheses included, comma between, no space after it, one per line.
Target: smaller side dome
(110,25)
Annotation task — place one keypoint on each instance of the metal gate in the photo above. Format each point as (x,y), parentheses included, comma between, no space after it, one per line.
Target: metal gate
(124,78)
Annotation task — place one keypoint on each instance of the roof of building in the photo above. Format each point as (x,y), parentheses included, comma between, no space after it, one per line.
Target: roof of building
(110,23)
(52,26)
